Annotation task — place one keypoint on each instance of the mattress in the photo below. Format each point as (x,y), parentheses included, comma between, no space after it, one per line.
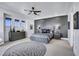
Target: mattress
(41,37)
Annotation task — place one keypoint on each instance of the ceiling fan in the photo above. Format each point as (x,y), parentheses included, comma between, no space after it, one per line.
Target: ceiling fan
(35,12)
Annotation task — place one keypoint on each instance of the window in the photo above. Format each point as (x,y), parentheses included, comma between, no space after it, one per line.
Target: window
(7,21)
(17,23)
(23,24)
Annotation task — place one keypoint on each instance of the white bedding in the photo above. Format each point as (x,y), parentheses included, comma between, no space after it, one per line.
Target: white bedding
(41,37)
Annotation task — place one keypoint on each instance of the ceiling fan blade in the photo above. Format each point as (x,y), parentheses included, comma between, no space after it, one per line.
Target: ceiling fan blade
(29,13)
(37,11)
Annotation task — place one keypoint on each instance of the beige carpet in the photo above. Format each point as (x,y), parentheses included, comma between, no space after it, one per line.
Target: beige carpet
(54,47)
(59,48)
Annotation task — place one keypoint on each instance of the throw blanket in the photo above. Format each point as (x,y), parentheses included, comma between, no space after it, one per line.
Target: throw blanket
(26,49)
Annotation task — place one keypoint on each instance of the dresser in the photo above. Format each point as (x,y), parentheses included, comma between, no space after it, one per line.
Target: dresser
(16,35)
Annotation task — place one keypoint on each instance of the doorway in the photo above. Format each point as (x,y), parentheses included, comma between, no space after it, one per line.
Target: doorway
(7,25)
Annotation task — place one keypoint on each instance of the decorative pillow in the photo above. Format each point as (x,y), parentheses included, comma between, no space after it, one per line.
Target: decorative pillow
(45,30)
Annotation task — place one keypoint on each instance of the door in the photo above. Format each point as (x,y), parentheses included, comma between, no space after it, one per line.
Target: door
(7,26)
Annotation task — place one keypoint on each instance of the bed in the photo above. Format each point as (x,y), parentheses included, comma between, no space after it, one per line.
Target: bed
(44,37)
(26,49)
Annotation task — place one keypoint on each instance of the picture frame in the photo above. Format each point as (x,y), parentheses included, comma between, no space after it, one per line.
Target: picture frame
(31,27)
(76,20)
(68,25)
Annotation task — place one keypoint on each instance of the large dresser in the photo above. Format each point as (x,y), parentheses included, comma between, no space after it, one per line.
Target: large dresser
(16,35)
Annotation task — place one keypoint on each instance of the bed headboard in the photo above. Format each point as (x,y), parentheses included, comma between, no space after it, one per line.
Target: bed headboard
(45,30)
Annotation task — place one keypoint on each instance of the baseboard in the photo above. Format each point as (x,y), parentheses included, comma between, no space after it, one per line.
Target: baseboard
(64,38)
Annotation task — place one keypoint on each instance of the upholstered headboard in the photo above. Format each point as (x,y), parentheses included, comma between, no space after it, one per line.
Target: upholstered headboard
(45,30)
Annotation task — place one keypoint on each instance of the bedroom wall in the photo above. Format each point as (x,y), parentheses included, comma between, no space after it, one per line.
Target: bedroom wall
(28,30)
(51,22)
(76,32)
(73,33)
(1,28)
(13,15)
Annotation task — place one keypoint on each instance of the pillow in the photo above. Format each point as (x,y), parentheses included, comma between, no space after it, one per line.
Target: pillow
(45,30)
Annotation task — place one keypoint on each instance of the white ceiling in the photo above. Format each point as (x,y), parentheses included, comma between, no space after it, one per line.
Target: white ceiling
(47,8)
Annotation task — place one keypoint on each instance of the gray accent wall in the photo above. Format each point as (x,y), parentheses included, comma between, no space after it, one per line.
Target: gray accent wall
(49,23)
